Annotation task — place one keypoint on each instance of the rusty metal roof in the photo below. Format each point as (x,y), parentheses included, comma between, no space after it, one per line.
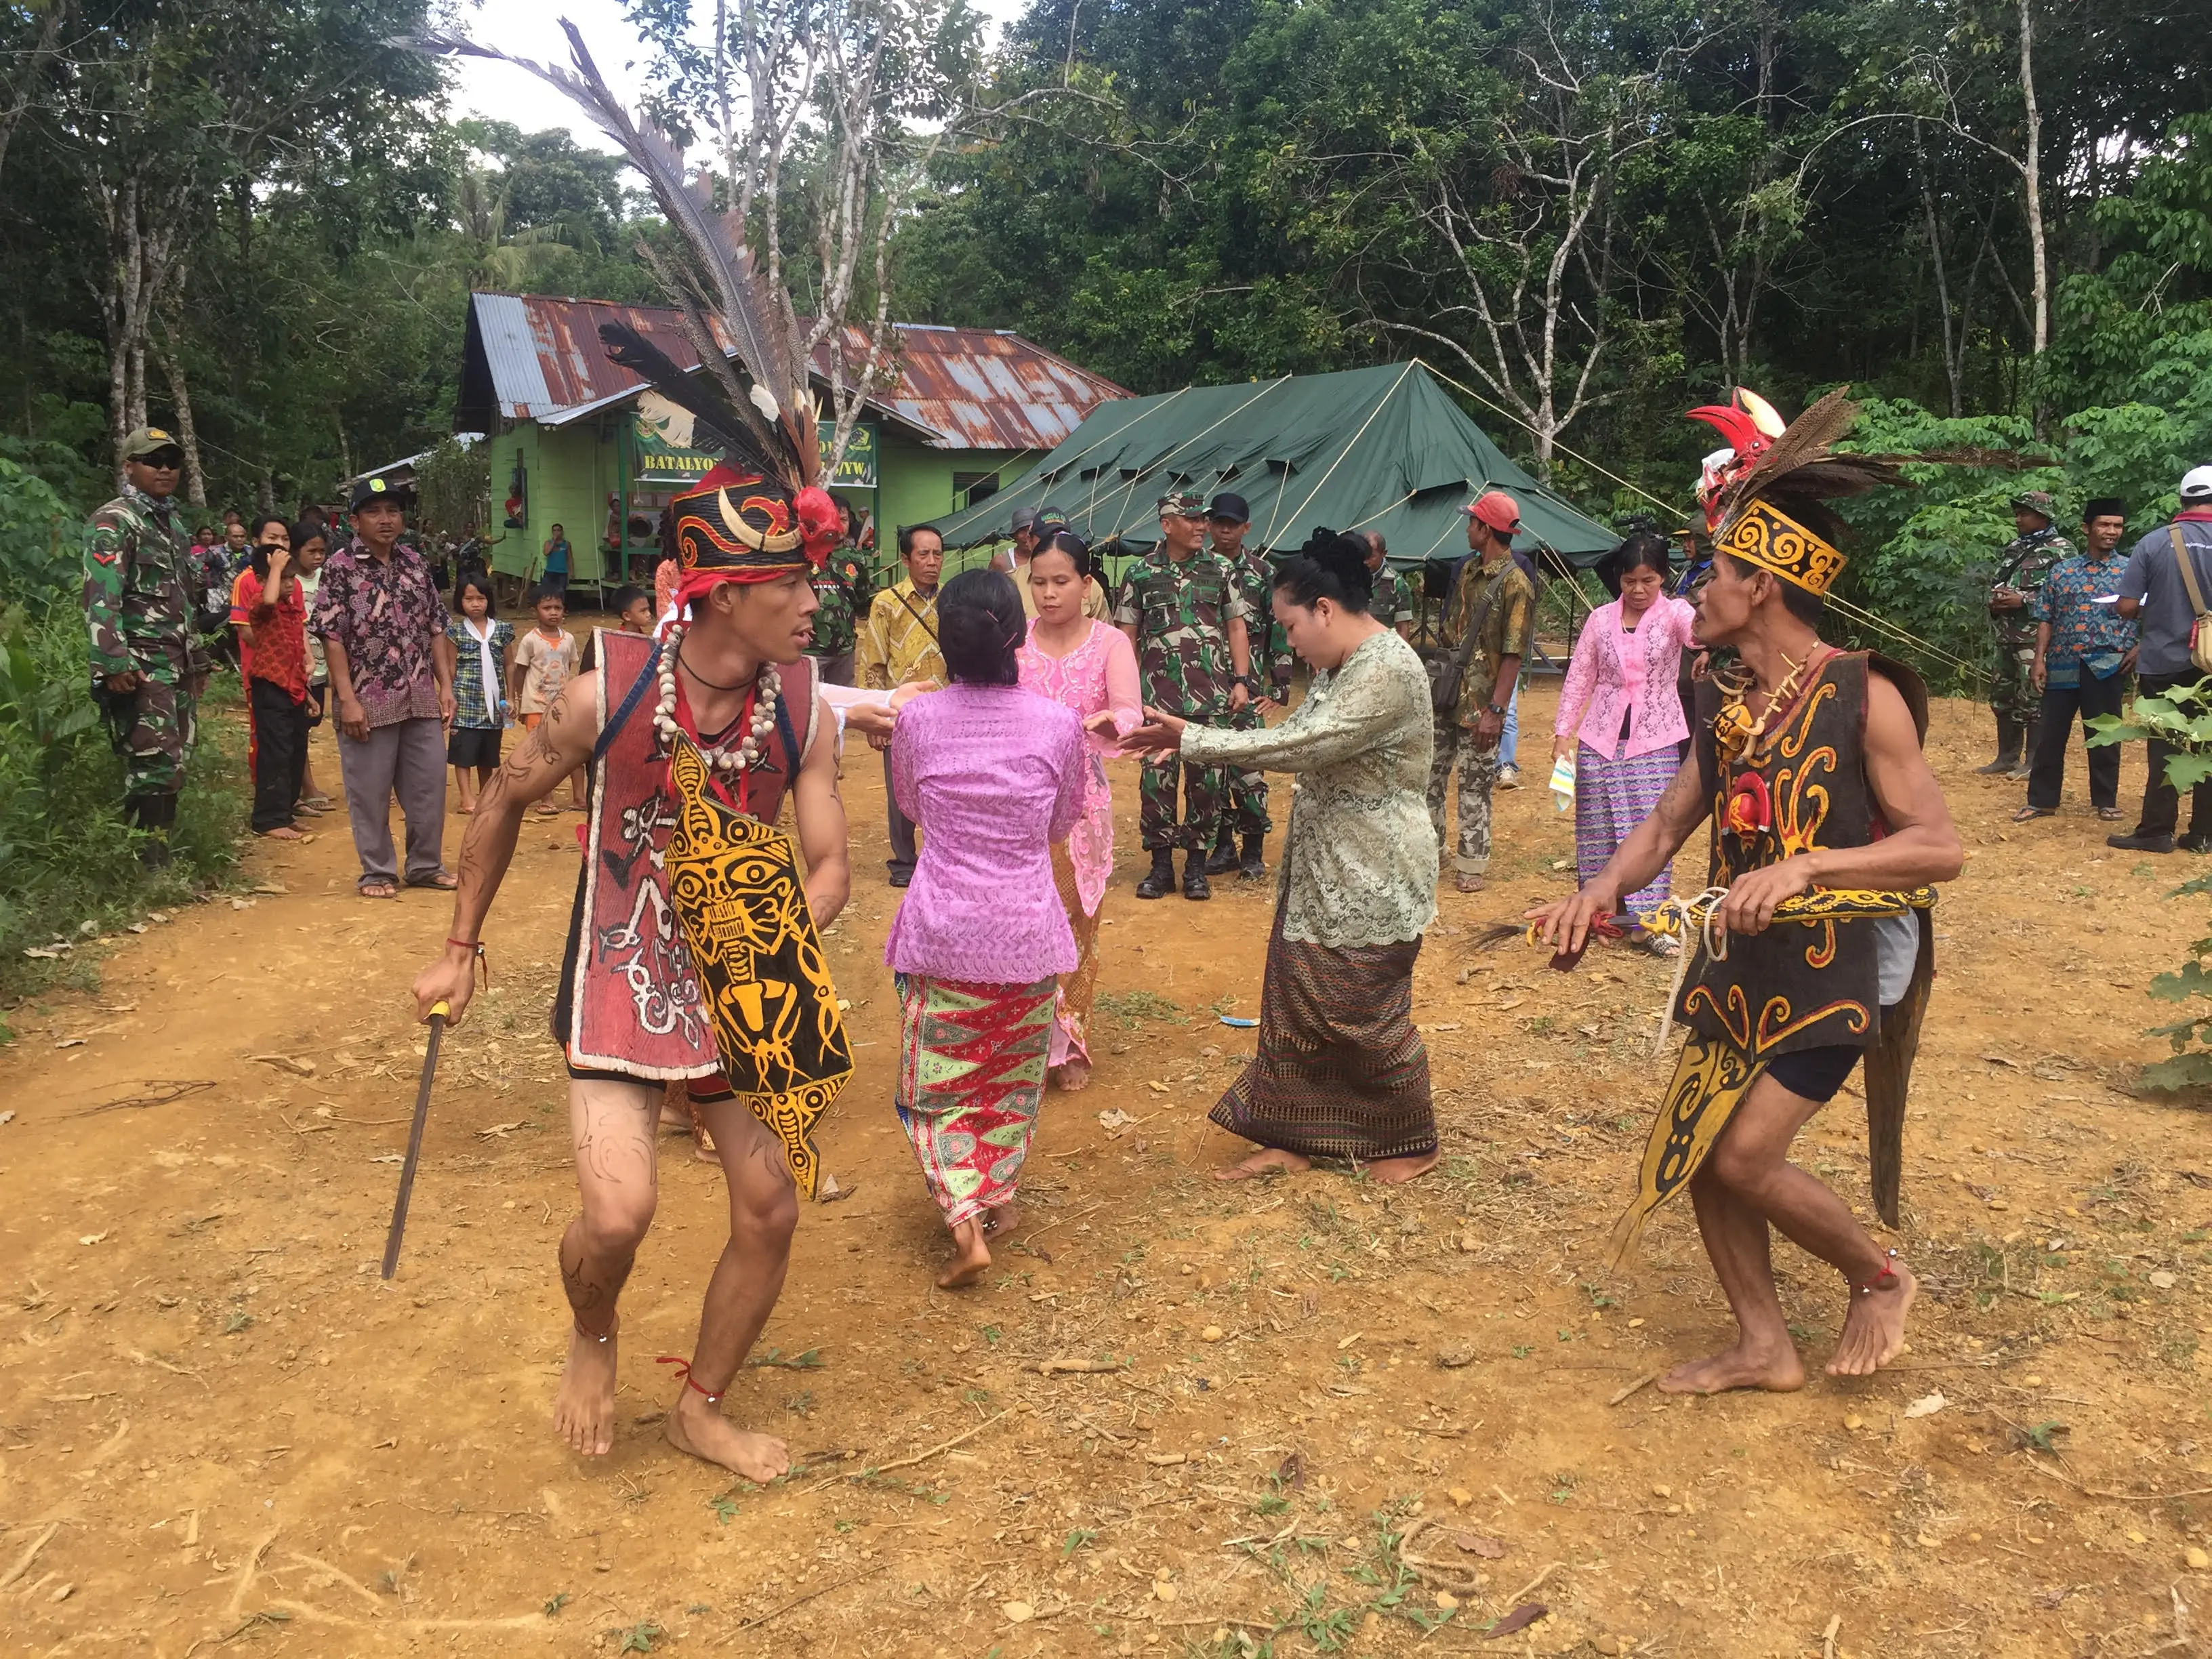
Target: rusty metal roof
(533,356)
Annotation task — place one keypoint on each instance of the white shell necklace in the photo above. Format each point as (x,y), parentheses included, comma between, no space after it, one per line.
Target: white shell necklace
(724,759)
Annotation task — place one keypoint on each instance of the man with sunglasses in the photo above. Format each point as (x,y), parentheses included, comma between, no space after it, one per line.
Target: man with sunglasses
(142,597)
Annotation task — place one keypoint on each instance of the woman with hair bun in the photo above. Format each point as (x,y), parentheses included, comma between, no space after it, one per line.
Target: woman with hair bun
(1340,1072)
(1087,665)
(1620,714)
(994,774)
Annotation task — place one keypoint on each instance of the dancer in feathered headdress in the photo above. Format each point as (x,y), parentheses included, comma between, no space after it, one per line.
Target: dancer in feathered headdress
(693,952)
(1812,943)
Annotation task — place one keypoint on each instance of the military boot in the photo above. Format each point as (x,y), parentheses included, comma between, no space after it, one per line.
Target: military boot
(1224,854)
(1253,865)
(2008,746)
(156,815)
(1194,884)
(2025,759)
(1161,877)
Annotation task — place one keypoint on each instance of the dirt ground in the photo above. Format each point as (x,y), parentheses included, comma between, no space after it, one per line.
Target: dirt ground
(1338,1419)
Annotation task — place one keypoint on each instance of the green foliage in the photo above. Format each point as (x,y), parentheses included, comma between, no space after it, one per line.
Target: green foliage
(68,862)
(2172,717)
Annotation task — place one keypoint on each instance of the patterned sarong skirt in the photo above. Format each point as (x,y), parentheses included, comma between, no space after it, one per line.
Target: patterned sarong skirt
(1340,1073)
(971,1073)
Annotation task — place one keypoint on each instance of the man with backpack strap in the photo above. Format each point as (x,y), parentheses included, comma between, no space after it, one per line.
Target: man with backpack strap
(2165,586)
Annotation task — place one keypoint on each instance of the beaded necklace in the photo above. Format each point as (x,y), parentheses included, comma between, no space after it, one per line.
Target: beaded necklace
(755,720)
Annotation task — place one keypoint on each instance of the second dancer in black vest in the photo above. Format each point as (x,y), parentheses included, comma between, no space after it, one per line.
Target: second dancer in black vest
(1816,949)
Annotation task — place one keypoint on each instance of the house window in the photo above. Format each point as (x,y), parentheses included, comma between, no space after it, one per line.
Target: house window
(969,488)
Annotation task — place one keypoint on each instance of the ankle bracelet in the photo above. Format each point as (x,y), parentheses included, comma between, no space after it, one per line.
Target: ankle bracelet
(1882,1281)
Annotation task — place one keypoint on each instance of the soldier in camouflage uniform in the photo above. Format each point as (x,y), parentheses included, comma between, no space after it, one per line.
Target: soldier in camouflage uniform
(1226,522)
(1185,615)
(1391,603)
(842,595)
(2028,559)
(141,598)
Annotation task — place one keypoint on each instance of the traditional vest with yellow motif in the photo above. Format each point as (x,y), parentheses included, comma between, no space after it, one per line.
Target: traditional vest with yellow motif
(1802,787)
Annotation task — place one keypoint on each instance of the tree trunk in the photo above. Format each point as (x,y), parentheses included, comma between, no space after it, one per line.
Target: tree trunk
(26,79)
(180,398)
(2032,170)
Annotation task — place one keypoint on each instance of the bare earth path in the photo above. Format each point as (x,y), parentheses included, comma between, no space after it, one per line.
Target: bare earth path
(1316,1414)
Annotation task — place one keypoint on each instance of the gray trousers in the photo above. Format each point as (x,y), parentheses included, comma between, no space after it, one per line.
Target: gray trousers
(407,758)
(901,862)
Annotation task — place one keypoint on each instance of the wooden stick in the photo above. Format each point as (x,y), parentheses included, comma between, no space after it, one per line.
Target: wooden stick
(2093,1492)
(777,1613)
(1515,1600)
(1645,1381)
(1828,1636)
(1076,1367)
(23,1562)
(919,1457)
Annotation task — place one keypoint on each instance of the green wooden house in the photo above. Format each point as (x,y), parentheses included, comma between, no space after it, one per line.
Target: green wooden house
(971,408)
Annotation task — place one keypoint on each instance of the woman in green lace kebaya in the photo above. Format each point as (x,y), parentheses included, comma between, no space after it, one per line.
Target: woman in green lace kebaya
(1340,1073)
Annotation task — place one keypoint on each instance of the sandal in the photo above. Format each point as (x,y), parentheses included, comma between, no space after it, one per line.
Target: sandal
(2028,812)
(1467,882)
(2110,814)
(376,890)
(445,881)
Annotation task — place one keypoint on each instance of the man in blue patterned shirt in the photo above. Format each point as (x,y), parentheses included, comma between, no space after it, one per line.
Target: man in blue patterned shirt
(2084,652)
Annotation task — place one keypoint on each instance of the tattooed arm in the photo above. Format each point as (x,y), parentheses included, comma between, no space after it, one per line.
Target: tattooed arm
(562,742)
(820,812)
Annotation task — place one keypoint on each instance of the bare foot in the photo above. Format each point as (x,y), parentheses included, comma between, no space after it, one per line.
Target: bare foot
(1072,1076)
(1874,1329)
(1779,1372)
(1268,1161)
(697,1425)
(283,832)
(584,1410)
(1003,1220)
(974,1257)
(1397,1172)
(674,1118)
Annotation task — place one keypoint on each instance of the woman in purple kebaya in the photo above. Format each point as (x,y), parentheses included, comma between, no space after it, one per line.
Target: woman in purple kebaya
(994,774)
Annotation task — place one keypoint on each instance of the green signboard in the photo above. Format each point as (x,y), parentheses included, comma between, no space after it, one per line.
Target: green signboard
(858,470)
(661,462)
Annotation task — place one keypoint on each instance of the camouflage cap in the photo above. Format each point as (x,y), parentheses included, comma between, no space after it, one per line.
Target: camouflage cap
(147,440)
(2036,501)
(1182,504)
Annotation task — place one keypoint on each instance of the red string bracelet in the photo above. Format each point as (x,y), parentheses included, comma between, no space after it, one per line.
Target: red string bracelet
(683,1370)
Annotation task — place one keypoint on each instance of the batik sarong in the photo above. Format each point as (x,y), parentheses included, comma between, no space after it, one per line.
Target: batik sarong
(1071,1024)
(1340,1072)
(1612,796)
(971,1072)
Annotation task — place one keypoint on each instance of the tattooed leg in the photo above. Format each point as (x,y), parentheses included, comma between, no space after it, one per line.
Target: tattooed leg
(612,1124)
(763,1214)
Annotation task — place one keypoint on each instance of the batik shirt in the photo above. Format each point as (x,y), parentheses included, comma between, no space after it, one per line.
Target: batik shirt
(141,596)
(2083,634)
(1181,611)
(1505,632)
(1359,864)
(387,617)
(900,641)
(1270,646)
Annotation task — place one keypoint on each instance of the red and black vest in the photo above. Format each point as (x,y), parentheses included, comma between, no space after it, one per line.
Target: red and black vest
(629,999)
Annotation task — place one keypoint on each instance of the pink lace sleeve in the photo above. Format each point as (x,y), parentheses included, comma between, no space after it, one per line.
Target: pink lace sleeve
(1122,695)
(1582,672)
(1075,780)
(1683,616)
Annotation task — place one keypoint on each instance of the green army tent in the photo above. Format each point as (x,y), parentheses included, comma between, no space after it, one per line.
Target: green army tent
(1380,449)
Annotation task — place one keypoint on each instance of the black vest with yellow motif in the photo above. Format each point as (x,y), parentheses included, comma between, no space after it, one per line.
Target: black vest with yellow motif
(1802,787)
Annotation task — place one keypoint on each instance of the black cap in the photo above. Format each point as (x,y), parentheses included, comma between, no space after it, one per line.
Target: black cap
(372,490)
(2103,506)
(1231,508)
